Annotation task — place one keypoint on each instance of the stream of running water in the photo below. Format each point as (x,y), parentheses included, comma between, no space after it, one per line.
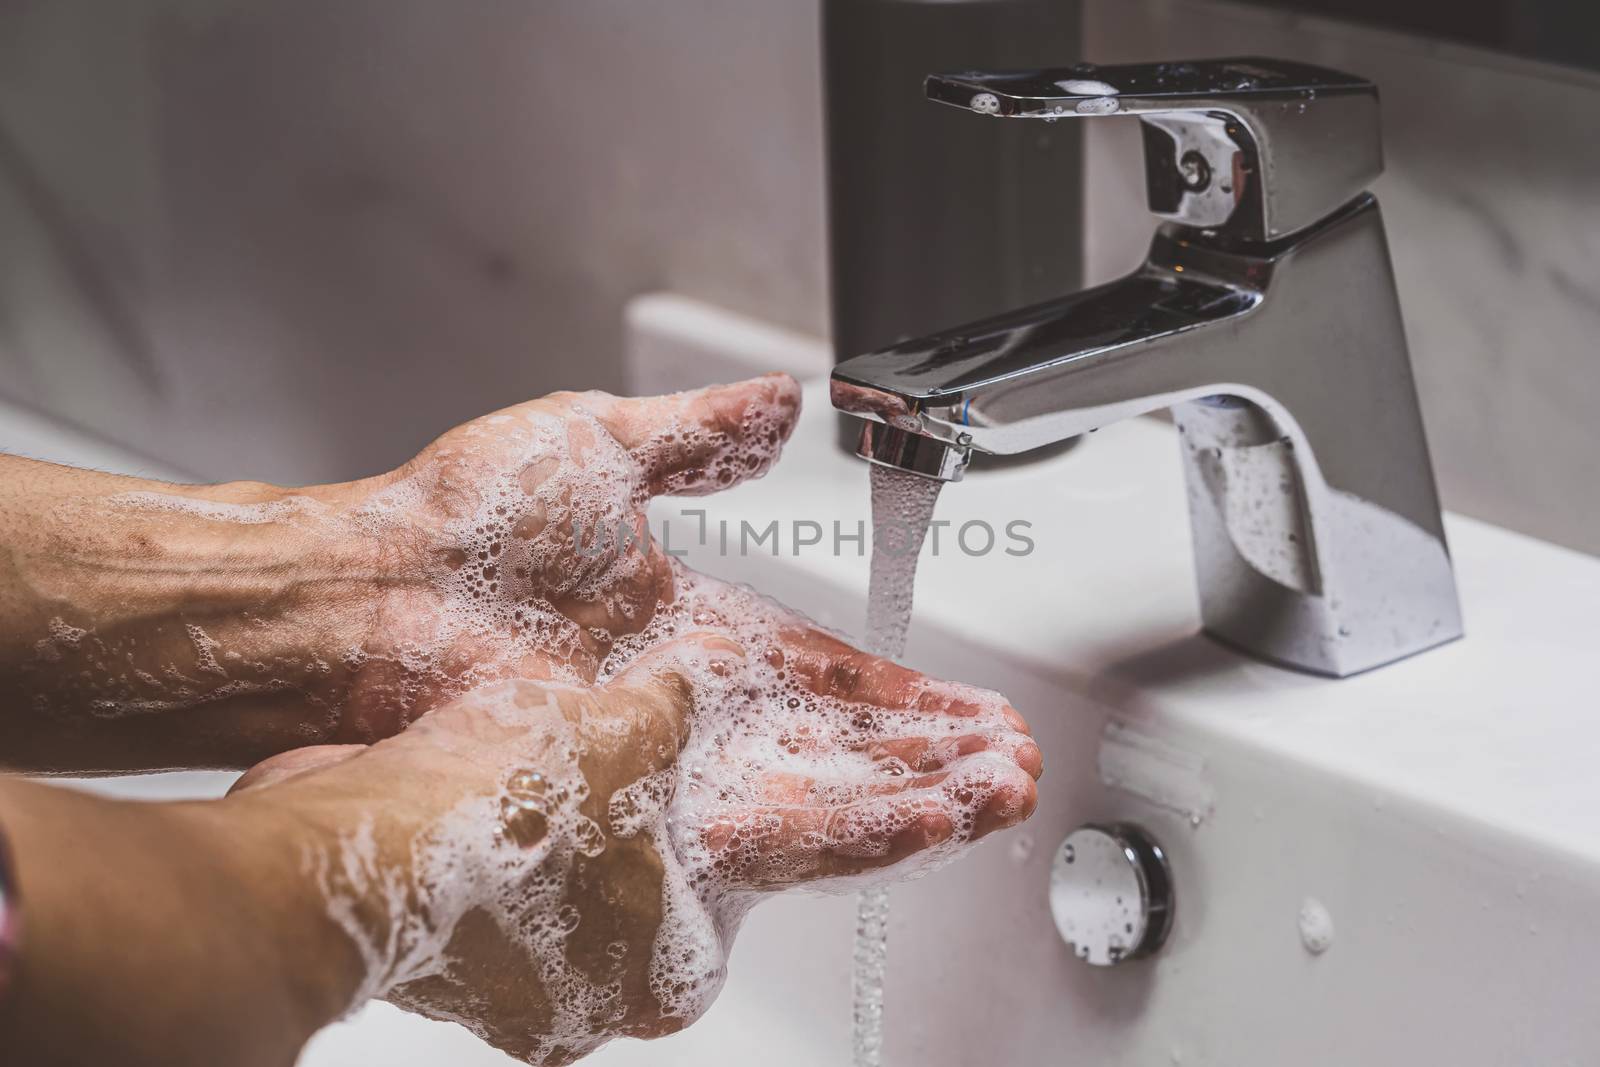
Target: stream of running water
(902,508)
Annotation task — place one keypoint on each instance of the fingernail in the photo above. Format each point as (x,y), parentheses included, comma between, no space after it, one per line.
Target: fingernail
(1030,758)
(722,649)
(937,829)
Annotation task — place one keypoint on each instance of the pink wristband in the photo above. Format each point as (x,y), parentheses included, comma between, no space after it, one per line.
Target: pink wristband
(9,924)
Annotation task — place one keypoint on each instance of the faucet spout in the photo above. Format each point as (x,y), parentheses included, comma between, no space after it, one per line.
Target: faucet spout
(1037,376)
(890,446)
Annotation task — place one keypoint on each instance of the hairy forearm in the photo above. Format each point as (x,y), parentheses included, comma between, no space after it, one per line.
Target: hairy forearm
(147,625)
(167,934)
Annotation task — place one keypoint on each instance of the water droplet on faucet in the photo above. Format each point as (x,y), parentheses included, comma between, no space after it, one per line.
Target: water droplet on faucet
(985,104)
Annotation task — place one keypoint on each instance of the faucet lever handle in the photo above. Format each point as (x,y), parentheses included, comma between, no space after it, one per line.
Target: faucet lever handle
(1256,147)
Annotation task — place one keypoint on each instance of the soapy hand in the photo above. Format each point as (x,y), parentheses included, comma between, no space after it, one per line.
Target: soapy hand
(516,545)
(554,866)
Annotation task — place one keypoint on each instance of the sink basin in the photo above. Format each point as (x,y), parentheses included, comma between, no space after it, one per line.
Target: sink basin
(1441,811)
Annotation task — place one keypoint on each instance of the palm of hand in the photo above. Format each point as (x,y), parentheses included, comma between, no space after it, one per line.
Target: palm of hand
(570,864)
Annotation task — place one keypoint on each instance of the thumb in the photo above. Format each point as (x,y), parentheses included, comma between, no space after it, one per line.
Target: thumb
(706,439)
(681,675)
(285,765)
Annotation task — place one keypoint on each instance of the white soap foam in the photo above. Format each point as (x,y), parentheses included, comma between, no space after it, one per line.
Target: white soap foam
(250,514)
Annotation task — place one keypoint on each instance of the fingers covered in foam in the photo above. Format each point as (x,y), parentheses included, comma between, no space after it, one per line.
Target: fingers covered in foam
(706,439)
(893,831)
(830,667)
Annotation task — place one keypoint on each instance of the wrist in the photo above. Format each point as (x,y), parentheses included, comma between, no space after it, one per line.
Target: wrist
(268,852)
(347,839)
(214,932)
(313,590)
(164,625)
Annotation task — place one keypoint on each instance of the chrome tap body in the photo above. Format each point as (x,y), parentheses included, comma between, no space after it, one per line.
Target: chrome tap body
(1265,316)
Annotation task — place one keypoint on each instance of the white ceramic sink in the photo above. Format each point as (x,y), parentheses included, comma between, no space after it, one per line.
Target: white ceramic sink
(1445,810)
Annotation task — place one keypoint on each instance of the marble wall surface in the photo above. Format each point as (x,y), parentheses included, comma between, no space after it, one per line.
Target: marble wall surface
(1491,196)
(293,240)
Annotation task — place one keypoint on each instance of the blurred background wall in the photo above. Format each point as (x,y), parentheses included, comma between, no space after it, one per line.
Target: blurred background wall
(294,239)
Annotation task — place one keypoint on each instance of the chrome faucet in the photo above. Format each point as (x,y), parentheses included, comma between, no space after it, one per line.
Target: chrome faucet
(1265,316)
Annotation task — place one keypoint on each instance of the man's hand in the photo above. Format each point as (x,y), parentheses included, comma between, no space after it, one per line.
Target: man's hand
(151,625)
(554,866)
(516,546)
